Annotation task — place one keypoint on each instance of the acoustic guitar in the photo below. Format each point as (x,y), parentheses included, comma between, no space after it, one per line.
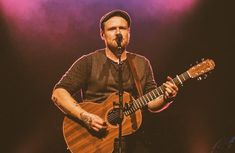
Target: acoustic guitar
(81,139)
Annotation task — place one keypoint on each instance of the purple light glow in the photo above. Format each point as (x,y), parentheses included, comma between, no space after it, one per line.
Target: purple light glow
(164,8)
(40,19)
(56,20)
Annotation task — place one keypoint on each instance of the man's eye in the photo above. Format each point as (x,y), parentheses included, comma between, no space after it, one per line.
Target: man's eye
(112,28)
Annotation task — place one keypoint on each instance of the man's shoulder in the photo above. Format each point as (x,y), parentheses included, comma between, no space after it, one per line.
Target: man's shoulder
(138,57)
(92,54)
(86,60)
(98,52)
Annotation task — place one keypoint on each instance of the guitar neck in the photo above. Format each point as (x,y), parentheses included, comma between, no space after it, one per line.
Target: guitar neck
(154,94)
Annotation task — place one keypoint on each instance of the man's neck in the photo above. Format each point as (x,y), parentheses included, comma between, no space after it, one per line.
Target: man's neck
(113,57)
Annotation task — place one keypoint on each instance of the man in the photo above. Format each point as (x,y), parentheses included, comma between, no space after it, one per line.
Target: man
(96,74)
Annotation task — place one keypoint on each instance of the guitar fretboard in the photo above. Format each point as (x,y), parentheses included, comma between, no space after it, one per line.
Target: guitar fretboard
(152,95)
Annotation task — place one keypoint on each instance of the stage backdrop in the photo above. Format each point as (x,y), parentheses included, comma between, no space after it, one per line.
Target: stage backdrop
(40,39)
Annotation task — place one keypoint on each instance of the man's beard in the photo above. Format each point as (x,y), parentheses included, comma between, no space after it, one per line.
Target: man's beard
(115,50)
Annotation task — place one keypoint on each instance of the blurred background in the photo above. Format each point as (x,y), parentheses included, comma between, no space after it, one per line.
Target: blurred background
(40,39)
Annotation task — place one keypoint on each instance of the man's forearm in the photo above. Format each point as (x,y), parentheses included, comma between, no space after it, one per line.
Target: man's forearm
(66,103)
(158,104)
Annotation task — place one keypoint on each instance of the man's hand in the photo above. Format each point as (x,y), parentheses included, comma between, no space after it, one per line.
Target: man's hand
(93,121)
(171,89)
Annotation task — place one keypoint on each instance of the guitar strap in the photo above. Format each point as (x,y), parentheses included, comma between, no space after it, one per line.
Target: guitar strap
(130,58)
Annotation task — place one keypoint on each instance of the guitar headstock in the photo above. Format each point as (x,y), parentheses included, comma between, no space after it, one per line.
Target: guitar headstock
(201,68)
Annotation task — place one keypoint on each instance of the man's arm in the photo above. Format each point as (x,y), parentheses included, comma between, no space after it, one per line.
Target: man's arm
(67,104)
(164,100)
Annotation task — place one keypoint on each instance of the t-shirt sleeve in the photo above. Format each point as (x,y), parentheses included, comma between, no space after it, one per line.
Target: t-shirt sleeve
(76,76)
(150,81)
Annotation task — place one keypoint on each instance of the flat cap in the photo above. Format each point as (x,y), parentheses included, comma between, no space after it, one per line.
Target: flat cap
(113,13)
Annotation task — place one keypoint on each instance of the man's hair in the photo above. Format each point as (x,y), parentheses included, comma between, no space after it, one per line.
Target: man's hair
(113,13)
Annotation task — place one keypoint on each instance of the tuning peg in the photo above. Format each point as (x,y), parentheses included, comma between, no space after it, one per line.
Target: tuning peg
(205,76)
(199,78)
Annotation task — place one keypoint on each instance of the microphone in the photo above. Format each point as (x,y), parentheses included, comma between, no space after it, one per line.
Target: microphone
(119,38)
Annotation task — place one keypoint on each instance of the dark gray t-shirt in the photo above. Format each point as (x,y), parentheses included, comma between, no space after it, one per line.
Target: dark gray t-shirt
(97,76)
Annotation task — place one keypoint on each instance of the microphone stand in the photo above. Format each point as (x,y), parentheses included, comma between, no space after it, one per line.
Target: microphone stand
(120,94)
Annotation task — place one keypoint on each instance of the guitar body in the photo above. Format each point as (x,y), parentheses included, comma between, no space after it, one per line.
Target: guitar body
(81,139)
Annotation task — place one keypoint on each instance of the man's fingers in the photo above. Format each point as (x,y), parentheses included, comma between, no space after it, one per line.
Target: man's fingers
(167,86)
(166,94)
(93,121)
(171,83)
(95,128)
(171,91)
(170,79)
(168,90)
(99,123)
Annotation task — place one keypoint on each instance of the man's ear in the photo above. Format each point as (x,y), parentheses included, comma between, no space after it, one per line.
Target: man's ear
(102,34)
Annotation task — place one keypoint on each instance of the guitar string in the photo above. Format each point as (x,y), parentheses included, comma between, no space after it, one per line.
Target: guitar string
(112,117)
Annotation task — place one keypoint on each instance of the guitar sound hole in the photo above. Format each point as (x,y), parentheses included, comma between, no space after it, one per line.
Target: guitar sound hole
(113,116)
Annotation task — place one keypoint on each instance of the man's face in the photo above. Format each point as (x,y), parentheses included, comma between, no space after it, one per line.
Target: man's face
(112,27)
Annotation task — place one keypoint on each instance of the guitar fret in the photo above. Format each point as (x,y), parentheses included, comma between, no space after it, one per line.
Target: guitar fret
(137,103)
(179,79)
(144,100)
(142,103)
(147,97)
(161,89)
(186,75)
(135,106)
(157,92)
(175,80)
(154,94)
(132,109)
(151,96)
(183,77)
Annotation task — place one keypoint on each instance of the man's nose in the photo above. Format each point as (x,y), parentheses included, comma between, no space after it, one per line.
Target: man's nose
(118,31)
